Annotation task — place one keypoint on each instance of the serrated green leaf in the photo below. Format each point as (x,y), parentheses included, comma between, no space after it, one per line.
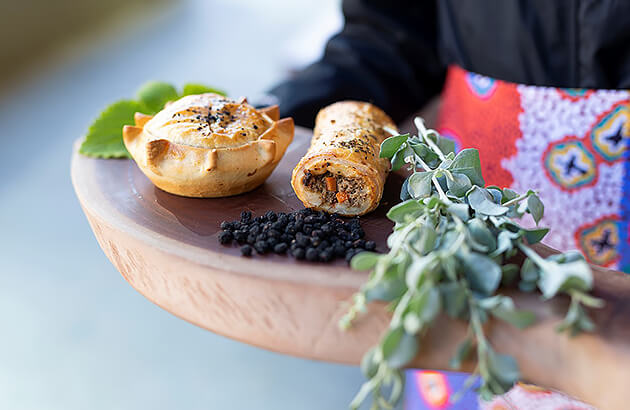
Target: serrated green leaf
(483,202)
(391,145)
(104,137)
(195,88)
(459,185)
(420,184)
(364,260)
(535,207)
(154,94)
(467,162)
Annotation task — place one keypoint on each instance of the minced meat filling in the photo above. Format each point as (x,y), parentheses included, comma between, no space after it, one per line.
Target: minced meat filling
(350,186)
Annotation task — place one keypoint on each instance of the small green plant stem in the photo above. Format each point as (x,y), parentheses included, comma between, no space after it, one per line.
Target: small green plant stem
(422,130)
(516,200)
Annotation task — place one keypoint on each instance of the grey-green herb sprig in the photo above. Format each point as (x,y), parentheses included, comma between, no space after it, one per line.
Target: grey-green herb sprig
(452,246)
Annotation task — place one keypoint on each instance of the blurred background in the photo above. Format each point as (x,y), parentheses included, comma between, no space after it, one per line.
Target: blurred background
(76,335)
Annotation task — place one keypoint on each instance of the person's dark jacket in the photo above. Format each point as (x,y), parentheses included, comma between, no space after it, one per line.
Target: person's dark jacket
(394,53)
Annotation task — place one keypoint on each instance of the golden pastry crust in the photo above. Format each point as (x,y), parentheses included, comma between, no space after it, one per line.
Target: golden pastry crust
(341,171)
(208,145)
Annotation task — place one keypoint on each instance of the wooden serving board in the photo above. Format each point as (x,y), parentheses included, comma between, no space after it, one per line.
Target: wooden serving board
(166,247)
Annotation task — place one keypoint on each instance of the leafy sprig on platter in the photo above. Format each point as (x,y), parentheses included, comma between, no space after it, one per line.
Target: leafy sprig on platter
(104,137)
(454,243)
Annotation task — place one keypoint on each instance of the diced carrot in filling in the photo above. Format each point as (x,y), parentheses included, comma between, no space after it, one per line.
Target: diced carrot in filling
(331,184)
(341,197)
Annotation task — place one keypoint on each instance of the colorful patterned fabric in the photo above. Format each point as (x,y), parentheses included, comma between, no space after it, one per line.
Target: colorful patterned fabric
(570,146)
(567,144)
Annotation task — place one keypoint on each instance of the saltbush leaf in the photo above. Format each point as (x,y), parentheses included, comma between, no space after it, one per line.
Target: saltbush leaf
(391,145)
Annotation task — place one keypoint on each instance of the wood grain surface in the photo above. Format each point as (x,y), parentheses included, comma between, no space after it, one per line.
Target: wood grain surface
(166,247)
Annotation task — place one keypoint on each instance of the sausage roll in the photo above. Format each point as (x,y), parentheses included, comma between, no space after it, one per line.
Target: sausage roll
(208,145)
(341,171)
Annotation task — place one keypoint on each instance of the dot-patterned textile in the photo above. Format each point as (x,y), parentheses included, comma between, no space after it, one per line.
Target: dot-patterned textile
(567,144)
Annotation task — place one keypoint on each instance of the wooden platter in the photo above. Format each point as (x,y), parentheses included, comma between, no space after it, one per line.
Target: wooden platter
(166,247)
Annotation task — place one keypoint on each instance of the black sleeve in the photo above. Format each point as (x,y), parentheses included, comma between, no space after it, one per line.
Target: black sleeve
(386,54)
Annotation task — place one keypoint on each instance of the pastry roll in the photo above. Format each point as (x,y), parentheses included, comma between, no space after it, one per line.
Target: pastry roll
(208,145)
(341,171)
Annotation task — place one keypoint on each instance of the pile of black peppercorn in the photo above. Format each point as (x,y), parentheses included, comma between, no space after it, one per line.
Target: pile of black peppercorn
(304,234)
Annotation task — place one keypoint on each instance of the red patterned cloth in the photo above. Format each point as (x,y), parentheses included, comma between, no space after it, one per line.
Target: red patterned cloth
(567,144)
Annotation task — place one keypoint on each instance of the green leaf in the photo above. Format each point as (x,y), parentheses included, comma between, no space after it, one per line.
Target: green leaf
(467,162)
(429,303)
(497,196)
(104,137)
(387,289)
(454,298)
(369,366)
(509,273)
(418,269)
(459,185)
(483,202)
(462,211)
(463,351)
(503,368)
(404,190)
(535,207)
(482,235)
(504,243)
(425,153)
(518,318)
(446,145)
(398,347)
(391,145)
(533,236)
(556,277)
(194,88)
(426,239)
(364,260)
(508,195)
(420,184)
(398,212)
(398,160)
(483,274)
(412,323)
(154,94)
